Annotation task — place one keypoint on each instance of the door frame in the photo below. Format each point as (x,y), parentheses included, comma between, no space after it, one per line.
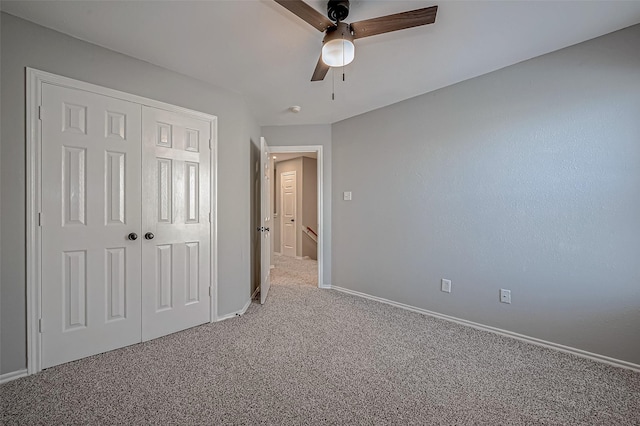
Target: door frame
(35,79)
(320,193)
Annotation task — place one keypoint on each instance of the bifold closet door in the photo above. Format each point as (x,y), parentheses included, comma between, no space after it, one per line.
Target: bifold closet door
(176,228)
(91,211)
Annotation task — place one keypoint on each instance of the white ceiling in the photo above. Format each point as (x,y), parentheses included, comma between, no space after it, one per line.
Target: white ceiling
(261,50)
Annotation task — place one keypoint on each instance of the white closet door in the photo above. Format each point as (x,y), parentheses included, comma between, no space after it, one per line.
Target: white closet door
(90,204)
(176,228)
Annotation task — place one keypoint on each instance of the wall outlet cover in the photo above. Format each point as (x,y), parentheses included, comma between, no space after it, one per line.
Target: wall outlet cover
(505,296)
(347,196)
(445,285)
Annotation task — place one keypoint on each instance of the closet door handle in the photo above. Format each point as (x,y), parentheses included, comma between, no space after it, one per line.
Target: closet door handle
(132,236)
(149,236)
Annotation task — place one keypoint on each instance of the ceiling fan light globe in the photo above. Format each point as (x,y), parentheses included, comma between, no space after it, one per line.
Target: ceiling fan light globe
(338,52)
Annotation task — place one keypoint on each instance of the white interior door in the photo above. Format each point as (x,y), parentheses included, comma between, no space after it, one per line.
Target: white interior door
(265,221)
(90,205)
(176,228)
(288,191)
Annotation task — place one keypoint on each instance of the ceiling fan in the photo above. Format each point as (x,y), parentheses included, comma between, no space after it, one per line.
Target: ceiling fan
(337,46)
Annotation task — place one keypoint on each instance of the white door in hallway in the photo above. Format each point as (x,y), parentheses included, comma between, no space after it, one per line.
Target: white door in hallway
(265,221)
(90,216)
(288,196)
(176,228)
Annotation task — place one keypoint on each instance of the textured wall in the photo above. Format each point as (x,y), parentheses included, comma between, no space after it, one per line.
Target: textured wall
(26,44)
(527,178)
(1,304)
(309,205)
(304,136)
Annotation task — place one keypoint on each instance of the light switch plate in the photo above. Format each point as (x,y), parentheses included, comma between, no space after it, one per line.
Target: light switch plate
(347,195)
(445,286)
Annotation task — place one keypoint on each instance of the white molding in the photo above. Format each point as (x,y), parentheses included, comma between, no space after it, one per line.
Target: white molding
(236,313)
(7,377)
(320,191)
(34,87)
(214,219)
(35,79)
(533,340)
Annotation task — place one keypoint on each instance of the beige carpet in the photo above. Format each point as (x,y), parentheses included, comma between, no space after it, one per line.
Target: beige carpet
(292,271)
(311,356)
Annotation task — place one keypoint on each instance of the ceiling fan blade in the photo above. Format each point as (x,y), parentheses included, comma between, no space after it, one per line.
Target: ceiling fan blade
(395,22)
(321,70)
(306,13)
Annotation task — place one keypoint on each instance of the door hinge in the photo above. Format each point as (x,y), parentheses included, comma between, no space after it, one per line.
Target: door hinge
(39,112)
(209,217)
(210,292)
(40,325)
(39,219)
(209,143)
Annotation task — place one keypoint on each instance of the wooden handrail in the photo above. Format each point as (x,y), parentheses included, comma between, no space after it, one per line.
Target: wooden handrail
(310,233)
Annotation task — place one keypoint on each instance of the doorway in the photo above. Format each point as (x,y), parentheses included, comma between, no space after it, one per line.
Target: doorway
(297,211)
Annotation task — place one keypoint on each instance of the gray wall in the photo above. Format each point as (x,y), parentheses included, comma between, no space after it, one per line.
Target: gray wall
(1,333)
(305,135)
(309,205)
(26,44)
(527,178)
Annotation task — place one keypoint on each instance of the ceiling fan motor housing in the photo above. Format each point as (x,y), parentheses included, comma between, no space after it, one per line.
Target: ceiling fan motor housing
(338,10)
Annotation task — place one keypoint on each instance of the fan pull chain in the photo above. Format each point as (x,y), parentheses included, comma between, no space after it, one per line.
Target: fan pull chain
(333,85)
(342,56)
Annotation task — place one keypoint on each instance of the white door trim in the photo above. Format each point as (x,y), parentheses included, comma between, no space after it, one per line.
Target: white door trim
(320,190)
(35,80)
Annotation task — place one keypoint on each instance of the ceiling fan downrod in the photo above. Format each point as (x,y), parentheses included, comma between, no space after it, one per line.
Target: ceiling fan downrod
(338,10)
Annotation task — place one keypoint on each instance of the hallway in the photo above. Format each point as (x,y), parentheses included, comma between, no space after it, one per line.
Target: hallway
(293,271)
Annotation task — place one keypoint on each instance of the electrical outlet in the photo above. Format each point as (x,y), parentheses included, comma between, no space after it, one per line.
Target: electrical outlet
(445,285)
(347,196)
(505,296)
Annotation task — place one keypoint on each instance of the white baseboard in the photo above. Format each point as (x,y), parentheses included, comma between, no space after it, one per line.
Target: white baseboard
(327,287)
(236,313)
(534,340)
(7,377)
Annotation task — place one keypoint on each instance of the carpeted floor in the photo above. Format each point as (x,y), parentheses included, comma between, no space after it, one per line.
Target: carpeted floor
(311,356)
(290,271)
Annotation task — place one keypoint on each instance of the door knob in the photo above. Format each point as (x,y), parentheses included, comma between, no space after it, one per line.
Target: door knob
(132,236)
(149,236)
(292,220)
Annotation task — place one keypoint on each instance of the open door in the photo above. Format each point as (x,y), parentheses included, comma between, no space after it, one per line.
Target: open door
(265,221)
